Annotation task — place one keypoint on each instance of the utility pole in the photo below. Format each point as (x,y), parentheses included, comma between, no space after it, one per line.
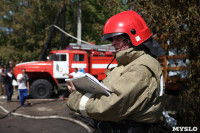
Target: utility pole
(63,21)
(79,22)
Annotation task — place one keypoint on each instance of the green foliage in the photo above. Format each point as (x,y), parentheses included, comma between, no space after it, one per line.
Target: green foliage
(94,15)
(22,28)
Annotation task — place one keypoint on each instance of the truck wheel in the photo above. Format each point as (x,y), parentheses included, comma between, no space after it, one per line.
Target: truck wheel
(41,88)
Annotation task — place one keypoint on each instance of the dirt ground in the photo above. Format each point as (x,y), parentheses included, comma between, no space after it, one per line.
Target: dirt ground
(55,107)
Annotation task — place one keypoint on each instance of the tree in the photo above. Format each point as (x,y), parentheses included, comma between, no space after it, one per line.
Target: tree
(95,15)
(22,27)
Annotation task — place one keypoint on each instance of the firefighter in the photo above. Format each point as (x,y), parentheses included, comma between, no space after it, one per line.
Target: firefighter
(137,82)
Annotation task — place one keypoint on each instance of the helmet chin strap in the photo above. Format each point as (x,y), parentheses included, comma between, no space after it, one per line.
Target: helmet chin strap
(111,62)
(126,41)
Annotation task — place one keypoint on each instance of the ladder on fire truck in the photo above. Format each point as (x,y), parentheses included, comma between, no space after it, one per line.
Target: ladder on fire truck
(101,48)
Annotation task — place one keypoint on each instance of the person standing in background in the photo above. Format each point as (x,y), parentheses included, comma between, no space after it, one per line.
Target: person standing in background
(2,86)
(23,86)
(75,74)
(14,82)
(5,67)
(8,82)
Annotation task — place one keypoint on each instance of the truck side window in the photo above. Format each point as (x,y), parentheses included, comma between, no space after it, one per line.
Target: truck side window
(79,57)
(60,57)
(51,57)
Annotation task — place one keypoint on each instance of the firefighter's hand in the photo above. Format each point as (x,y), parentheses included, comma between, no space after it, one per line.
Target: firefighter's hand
(71,86)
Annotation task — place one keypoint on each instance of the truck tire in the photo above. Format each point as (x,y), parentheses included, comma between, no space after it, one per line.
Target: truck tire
(41,89)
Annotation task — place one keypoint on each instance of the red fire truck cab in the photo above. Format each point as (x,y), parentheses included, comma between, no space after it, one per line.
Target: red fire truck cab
(46,76)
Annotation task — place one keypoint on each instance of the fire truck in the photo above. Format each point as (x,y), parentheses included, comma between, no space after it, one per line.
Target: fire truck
(46,76)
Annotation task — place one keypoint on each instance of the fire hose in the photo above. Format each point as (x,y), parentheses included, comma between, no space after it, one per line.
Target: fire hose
(89,130)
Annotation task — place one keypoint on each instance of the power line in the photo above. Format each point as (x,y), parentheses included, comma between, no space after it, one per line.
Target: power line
(67,34)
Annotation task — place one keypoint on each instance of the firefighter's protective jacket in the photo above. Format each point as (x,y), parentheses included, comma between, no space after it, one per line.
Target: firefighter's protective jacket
(137,86)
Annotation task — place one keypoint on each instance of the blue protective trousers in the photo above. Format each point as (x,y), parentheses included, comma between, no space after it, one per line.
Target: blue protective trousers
(23,94)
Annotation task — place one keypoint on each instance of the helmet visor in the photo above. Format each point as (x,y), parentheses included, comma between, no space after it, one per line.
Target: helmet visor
(109,36)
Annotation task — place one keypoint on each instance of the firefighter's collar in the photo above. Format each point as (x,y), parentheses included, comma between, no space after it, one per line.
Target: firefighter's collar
(126,56)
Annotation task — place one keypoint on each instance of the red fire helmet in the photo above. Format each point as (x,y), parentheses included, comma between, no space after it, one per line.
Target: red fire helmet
(128,22)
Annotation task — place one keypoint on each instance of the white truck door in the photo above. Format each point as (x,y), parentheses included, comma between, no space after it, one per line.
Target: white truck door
(60,65)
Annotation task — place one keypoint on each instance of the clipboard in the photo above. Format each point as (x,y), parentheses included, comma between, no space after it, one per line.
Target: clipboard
(90,84)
